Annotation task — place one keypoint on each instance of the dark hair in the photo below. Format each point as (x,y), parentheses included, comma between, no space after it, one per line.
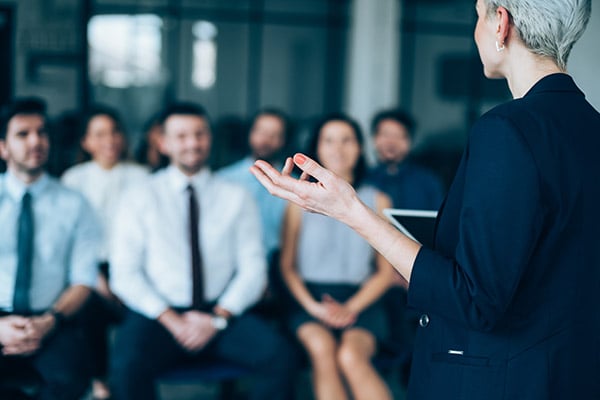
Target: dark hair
(101,109)
(398,115)
(184,108)
(360,169)
(95,111)
(27,105)
(277,113)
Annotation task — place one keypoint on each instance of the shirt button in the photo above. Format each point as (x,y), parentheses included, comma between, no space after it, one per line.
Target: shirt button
(424,320)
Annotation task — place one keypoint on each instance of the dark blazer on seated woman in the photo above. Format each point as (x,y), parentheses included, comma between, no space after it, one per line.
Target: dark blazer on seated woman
(517,236)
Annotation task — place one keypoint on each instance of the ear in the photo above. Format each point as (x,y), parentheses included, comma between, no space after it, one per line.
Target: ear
(83,143)
(503,18)
(162,146)
(3,150)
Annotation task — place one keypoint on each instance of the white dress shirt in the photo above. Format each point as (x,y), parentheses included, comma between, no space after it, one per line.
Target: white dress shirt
(150,253)
(104,189)
(66,239)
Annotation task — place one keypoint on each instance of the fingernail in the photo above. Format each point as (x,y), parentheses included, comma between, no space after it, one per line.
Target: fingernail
(299,159)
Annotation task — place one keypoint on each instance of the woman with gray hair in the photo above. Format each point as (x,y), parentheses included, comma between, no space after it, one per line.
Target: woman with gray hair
(509,293)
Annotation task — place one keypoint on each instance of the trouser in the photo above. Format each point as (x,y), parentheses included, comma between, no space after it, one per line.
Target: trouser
(144,349)
(60,367)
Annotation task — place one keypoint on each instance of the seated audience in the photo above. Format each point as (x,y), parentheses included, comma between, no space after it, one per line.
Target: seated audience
(335,278)
(48,258)
(103,180)
(187,260)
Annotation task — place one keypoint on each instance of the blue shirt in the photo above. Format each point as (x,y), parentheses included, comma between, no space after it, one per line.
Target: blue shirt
(409,186)
(271,208)
(66,240)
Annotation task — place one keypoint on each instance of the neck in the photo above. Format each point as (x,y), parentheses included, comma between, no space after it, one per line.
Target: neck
(189,172)
(27,177)
(106,165)
(527,70)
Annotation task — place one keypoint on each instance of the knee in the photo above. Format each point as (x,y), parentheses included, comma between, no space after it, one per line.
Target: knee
(350,359)
(320,347)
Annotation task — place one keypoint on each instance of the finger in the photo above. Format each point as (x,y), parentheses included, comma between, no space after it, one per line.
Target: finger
(304,176)
(288,167)
(327,298)
(274,182)
(311,167)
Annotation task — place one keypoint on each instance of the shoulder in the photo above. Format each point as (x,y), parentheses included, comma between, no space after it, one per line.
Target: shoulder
(2,188)
(223,186)
(76,172)
(65,197)
(234,170)
(133,168)
(143,190)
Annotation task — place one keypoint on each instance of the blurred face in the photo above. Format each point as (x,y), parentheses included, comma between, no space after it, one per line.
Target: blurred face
(267,137)
(186,141)
(338,149)
(26,146)
(485,39)
(392,141)
(104,141)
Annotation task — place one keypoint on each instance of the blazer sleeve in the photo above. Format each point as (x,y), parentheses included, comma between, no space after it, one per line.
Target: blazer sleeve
(500,219)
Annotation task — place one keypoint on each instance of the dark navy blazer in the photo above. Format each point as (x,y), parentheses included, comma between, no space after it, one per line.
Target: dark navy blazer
(510,295)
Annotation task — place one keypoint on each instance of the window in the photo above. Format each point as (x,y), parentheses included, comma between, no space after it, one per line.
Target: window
(204,71)
(125,50)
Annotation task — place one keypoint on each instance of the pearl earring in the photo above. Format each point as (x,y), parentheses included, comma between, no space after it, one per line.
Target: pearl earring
(499,47)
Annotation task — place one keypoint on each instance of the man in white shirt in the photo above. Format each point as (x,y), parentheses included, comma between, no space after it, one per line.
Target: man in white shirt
(48,256)
(188,287)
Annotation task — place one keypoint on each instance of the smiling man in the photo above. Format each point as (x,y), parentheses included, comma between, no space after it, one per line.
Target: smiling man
(188,261)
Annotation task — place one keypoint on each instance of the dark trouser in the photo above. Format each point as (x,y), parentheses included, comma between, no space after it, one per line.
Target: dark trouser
(144,349)
(61,365)
(97,316)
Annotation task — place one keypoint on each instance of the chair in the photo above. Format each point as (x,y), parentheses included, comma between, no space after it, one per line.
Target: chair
(222,372)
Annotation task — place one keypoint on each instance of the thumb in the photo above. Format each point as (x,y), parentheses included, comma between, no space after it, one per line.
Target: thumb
(327,298)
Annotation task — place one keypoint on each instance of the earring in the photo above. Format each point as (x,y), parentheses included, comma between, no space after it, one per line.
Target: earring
(499,47)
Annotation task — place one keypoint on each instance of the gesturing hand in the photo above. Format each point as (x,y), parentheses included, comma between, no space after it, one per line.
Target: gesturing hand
(330,195)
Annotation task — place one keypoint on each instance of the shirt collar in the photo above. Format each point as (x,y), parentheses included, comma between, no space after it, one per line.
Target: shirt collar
(180,181)
(17,188)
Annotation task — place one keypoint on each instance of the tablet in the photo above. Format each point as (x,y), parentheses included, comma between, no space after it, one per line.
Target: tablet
(418,225)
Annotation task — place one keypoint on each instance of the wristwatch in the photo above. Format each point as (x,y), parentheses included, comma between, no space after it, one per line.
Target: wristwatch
(219,323)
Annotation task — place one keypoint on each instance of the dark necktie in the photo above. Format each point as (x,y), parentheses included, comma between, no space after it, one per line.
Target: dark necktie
(25,257)
(197,276)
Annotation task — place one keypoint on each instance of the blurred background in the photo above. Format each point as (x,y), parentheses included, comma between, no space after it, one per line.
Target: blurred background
(307,57)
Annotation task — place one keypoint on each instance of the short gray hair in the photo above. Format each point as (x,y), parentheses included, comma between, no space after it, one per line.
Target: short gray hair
(547,27)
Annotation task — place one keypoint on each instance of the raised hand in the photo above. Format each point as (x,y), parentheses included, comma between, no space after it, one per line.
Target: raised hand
(330,195)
